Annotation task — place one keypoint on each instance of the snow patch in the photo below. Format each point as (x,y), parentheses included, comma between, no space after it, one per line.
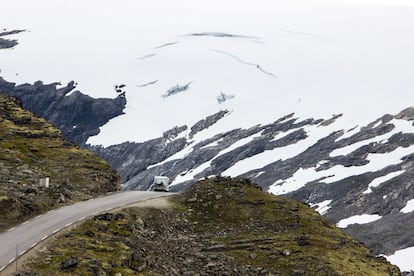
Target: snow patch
(403,259)
(376,162)
(281,135)
(349,133)
(339,172)
(186,176)
(321,207)
(297,181)
(212,144)
(379,180)
(377,124)
(179,155)
(409,207)
(359,219)
(320,163)
(259,173)
(352,147)
(239,143)
(262,159)
(399,126)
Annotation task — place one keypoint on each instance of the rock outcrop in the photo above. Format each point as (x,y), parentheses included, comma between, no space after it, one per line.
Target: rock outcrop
(31,149)
(77,115)
(8,43)
(221,226)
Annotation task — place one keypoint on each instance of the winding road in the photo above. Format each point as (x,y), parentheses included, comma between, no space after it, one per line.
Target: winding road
(28,234)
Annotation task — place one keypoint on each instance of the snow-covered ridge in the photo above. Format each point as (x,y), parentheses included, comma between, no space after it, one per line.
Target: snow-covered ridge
(314,58)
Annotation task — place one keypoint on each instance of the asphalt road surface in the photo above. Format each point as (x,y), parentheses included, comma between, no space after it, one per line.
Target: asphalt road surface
(28,234)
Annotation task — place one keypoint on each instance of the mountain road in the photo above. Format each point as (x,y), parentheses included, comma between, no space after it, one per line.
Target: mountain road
(20,239)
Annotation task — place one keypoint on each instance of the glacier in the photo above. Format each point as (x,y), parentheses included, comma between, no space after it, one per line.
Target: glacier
(328,56)
(313,58)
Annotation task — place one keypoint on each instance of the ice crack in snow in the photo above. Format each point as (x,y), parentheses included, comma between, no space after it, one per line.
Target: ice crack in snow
(245,62)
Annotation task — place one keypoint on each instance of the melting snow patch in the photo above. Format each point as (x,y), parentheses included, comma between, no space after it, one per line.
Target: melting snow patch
(349,133)
(186,176)
(320,163)
(260,173)
(212,144)
(379,180)
(409,207)
(283,134)
(359,219)
(350,148)
(267,157)
(322,207)
(376,162)
(400,126)
(403,259)
(179,155)
(239,143)
(377,124)
(339,172)
(297,181)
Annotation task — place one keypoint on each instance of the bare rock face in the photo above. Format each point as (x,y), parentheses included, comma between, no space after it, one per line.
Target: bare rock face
(32,149)
(207,122)
(8,43)
(77,115)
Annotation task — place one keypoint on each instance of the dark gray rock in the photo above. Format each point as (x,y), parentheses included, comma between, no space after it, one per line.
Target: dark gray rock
(207,122)
(303,240)
(69,263)
(105,217)
(8,43)
(77,115)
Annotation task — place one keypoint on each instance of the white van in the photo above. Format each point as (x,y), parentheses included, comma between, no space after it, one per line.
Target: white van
(161,184)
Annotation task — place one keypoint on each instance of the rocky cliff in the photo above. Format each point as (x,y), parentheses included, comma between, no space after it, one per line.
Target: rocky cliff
(221,226)
(31,149)
(77,115)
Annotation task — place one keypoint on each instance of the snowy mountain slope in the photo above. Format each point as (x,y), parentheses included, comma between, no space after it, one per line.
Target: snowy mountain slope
(314,59)
(363,178)
(208,89)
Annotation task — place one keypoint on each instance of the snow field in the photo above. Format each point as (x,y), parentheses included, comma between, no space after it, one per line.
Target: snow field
(359,219)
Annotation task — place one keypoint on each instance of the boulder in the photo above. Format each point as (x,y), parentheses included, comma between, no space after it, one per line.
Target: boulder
(69,263)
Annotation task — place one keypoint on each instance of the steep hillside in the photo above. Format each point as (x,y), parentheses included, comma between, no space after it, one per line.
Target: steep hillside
(221,226)
(30,149)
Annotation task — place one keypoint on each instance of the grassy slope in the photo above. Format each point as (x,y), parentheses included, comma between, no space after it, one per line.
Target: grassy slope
(219,226)
(31,148)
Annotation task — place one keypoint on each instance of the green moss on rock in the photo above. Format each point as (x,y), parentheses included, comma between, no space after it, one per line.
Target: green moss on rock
(30,149)
(221,226)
